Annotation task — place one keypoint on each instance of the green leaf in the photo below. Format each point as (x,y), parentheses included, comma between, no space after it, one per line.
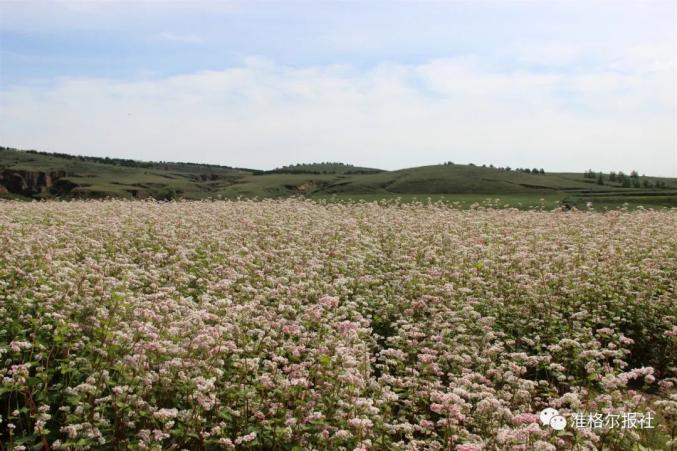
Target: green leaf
(325,360)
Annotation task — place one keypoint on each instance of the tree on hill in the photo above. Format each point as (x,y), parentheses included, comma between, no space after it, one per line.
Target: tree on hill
(167,194)
(125,162)
(600,179)
(623,179)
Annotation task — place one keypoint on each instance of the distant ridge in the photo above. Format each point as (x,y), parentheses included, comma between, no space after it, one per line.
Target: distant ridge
(127,162)
(324,168)
(43,175)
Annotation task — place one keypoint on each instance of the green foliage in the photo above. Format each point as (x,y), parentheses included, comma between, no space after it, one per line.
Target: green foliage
(167,194)
(323,168)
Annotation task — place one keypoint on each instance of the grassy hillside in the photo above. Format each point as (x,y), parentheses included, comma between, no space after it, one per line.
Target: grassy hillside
(457,183)
(89,177)
(38,175)
(446,179)
(324,168)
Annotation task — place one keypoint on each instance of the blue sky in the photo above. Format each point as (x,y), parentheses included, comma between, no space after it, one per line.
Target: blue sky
(564,85)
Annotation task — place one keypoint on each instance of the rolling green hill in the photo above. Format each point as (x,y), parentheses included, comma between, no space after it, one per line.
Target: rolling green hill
(40,175)
(36,175)
(324,168)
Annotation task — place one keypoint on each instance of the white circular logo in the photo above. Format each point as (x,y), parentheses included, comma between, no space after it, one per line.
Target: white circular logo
(551,417)
(547,414)
(558,423)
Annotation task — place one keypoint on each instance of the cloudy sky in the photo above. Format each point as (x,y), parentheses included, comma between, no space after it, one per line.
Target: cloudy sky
(563,85)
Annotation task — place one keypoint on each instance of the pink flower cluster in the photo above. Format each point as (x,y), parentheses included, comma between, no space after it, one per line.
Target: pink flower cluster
(292,323)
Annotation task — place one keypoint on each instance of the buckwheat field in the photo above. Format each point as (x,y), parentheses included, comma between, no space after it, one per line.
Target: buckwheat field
(294,324)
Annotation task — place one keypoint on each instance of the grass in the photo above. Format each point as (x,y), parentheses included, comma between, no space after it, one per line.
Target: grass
(95,179)
(520,201)
(460,200)
(325,168)
(465,184)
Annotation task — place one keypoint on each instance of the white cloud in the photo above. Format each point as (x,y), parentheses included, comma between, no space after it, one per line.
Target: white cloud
(548,54)
(391,116)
